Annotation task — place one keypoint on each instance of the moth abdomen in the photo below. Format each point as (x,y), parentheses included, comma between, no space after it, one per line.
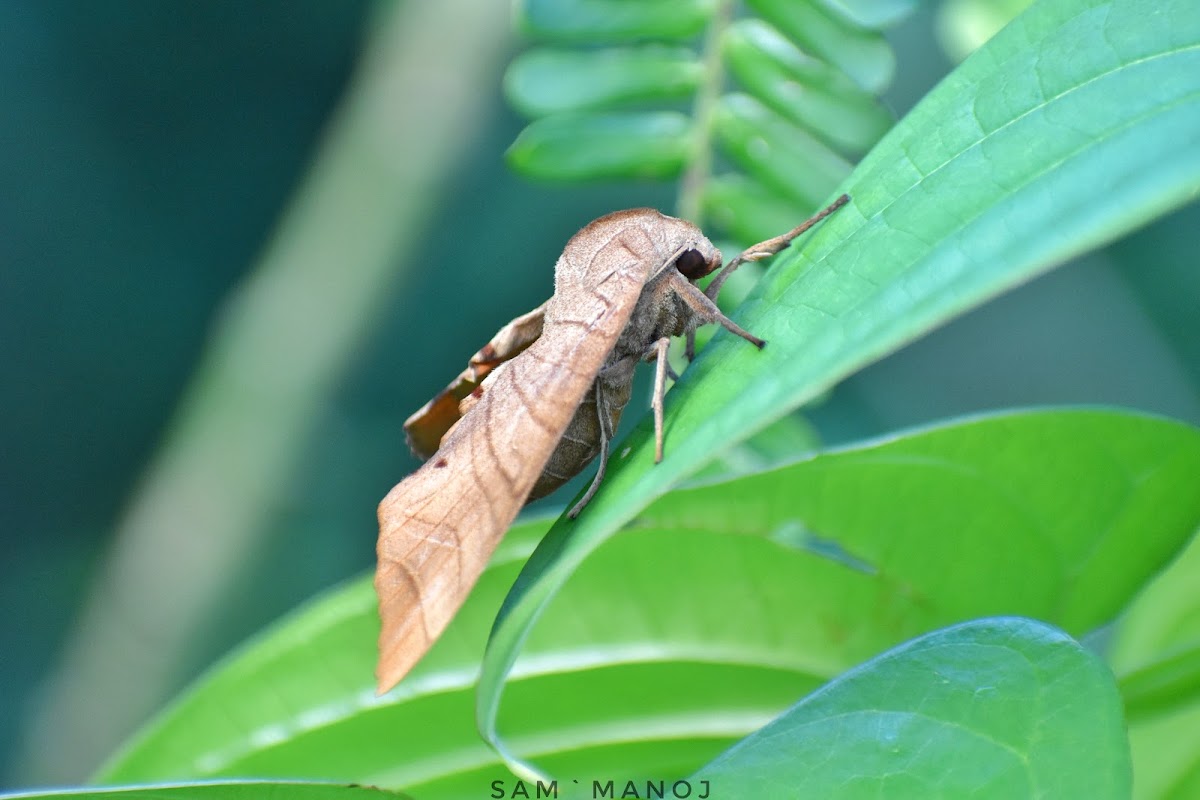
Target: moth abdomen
(596,417)
(535,406)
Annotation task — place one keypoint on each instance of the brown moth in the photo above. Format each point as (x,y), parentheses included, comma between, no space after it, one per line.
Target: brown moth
(535,406)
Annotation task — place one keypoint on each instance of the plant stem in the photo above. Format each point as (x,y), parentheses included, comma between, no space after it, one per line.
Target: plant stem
(690,204)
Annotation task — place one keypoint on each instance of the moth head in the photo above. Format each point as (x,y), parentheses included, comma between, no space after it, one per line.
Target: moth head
(694,263)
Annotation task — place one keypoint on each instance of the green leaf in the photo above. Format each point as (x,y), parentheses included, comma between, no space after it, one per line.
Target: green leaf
(587,145)
(1039,513)
(224,790)
(1041,146)
(682,634)
(1168,684)
(1155,651)
(872,13)
(860,52)
(1165,620)
(1165,757)
(603,21)
(299,699)
(1061,515)
(750,211)
(991,709)
(546,81)
(805,111)
(777,444)
(802,89)
(628,662)
(778,154)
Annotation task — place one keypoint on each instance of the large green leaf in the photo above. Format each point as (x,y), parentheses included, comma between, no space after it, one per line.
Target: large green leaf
(724,604)
(627,661)
(991,709)
(224,790)
(1077,123)
(1048,514)
(1060,515)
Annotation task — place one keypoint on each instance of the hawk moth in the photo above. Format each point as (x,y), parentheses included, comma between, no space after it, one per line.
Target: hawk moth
(538,403)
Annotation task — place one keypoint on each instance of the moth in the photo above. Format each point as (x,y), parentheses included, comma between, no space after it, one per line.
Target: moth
(536,405)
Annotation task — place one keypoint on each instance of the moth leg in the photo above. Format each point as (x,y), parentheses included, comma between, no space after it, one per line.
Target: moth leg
(658,353)
(651,356)
(771,246)
(706,310)
(689,350)
(605,435)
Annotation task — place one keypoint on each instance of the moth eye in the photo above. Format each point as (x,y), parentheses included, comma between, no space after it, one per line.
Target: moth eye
(692,264)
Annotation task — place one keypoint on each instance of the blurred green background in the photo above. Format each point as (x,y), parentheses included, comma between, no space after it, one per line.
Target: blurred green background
(166,167)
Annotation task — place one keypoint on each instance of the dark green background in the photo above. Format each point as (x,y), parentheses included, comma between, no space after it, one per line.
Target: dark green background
(149,148)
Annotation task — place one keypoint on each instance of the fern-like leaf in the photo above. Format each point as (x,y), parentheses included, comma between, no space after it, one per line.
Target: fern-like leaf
(757,109)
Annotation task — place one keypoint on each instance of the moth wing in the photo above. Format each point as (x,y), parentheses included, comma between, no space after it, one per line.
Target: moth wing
(439,526)
(426,427)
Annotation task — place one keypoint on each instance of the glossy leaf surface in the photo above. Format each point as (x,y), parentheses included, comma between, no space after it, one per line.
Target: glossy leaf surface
(991,709)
